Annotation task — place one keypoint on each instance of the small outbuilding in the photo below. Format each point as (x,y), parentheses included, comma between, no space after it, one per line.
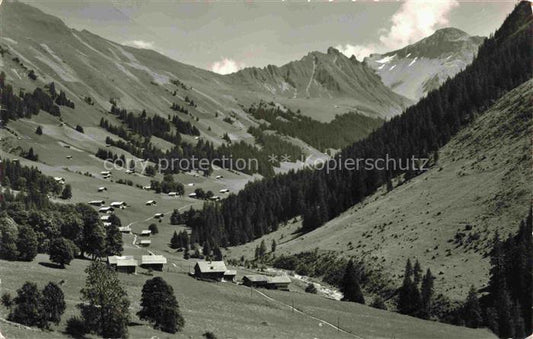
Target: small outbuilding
(230,275)
(96,202)
(154,262)
(145,242)
(59,180)
(210,270)
(280,282)
(118,204)
(255,280)
(124,229)
(107,209)
(146,233)
(124,264)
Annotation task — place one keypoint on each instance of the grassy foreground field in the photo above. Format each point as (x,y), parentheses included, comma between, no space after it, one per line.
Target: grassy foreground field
(228,310)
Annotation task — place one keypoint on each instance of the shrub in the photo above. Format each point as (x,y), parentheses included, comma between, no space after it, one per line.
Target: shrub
(209,335)
(7,300)
(311,288)
(153,228)
(379,303)
(76,327)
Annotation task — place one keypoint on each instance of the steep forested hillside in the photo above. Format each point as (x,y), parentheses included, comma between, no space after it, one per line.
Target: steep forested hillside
(502,63)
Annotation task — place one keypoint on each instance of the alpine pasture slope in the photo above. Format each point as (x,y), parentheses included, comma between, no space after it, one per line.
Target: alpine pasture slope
(446,217)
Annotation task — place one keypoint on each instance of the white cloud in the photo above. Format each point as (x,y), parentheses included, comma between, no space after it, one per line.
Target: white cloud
(360,51)
(226,66)
(416,19)
(140,44)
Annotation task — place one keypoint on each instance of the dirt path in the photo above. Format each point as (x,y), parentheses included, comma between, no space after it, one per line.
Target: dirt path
(306,314)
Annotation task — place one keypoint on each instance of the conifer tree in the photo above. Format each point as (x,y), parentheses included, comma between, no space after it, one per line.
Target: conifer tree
(175,241)
(471,310)
(409,295)
(417,273)
(426,294)
(350,285)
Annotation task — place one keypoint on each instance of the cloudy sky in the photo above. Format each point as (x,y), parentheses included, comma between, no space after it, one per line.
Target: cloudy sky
(227,35)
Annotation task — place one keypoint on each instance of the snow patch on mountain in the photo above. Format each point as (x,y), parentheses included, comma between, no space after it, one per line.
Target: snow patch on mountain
(386,59)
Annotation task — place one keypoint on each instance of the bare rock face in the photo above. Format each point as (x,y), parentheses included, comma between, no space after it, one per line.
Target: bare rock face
(416,69)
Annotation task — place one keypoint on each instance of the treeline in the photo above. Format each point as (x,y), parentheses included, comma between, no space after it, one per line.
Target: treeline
(141,128)
(147,126)
(502,63)
(109,155)
(273,145)
(184,127)
(340,132)
(59,98)
(167,185)
(179,108)
(506,307)
(135,144)
(255,160)
(24,105)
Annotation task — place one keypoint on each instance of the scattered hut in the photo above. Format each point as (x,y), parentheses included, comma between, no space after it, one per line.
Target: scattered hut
(124,264)
(255,280)
(280,282)
(154,262)
(145,242)
(210,270)
(230,275)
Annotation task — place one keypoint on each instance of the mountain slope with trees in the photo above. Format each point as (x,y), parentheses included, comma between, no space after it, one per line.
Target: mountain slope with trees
(502,63)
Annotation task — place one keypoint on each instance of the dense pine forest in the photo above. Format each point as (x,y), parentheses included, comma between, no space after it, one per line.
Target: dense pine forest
(503,62)
(340,132)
